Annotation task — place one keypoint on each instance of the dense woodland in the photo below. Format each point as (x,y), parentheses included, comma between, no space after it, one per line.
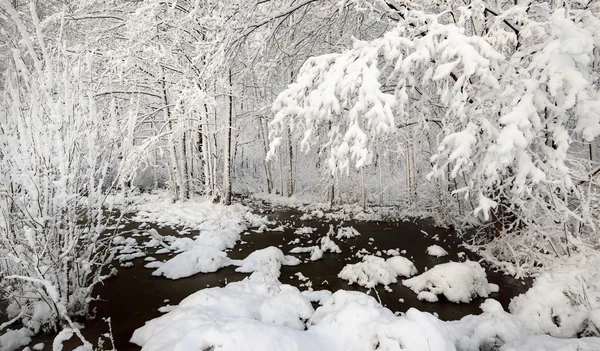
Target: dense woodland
(482,113)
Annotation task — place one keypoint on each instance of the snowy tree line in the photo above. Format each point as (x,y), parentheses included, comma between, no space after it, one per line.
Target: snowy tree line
(484,107)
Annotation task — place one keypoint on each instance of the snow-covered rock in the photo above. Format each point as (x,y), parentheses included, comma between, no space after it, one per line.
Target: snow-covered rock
(458,282)
(437,251)
(199,259)
(375,270)
(267,261)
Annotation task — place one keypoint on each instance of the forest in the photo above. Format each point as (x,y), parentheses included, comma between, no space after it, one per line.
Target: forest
(299,175)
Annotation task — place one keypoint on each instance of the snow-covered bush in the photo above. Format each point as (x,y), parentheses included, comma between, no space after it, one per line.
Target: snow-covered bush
(457,281)
(56,150)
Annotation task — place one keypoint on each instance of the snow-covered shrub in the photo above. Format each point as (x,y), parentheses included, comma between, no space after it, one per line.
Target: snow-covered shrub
(565,301)
(458,282)
(57,148)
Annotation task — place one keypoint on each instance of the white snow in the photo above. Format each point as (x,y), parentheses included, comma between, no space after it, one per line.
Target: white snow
(458,282)
(437,251)
(304,230)
(260,313)
(12,340)
(219,228)
(199,259)
(267,261)
(375,270)
(346,233)
(563,302)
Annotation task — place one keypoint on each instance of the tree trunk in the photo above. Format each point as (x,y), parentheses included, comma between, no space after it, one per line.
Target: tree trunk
(263,135)
(227,160)
(175,176)
(410,171)
(290,159)
(208,189)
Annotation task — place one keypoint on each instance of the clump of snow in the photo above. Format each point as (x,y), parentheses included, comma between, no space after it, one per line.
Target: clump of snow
(304,230)
(267,261)
(328,245)
(437,251)
(375,270)
(153,264)
(14,339)
(392,252)
(199,259)
(317,251)
(457,281)
(346,233)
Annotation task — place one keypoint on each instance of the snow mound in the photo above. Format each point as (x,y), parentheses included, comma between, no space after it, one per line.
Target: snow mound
(457,281)
(563,303)
(437,251)
(199,259)
(375,270)
(267,261)
(253,314)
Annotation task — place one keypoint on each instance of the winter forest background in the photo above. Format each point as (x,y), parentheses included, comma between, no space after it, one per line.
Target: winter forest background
(482,114)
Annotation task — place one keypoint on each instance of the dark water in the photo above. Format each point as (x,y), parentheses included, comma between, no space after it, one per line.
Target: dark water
(134,296)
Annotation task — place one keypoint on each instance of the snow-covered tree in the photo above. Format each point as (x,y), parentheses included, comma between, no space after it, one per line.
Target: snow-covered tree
(512,89)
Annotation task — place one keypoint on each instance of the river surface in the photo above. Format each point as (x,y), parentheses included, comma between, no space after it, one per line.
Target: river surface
(134,295)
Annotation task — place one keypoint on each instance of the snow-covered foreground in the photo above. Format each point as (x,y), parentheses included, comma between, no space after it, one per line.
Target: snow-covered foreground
(259,313)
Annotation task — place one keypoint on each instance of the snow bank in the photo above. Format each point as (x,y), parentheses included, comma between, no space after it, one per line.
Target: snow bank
(198,213)
(219,229)
(259,313)
(458,282)
(375,270)
(253,314)
(565,301)
(256,314)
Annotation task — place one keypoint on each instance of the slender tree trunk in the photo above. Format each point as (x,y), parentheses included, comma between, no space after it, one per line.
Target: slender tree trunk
(175,176)
(206,154)
(363,193)
(227,160)
(263,136)
(185,184)
(290,164)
